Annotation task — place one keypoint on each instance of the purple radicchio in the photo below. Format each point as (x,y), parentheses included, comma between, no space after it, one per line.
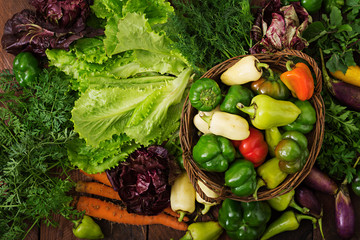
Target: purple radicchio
(142,181)
(279,27)
(55,24)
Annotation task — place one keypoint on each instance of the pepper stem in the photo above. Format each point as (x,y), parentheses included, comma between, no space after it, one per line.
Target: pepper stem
(248,110)
(271,73)
(300,217)
(260,183)
(288,65)
(294,205)
(182,215)
(206,209)
(260,65)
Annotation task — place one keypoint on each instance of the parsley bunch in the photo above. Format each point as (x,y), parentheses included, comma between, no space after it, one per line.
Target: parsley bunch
(337,34)
(341,144)
(34,128)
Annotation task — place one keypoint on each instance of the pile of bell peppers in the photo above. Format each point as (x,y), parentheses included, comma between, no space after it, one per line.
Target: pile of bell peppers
(253,123)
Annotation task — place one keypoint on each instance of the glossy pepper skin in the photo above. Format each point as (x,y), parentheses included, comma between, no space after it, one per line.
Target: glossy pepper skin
(235,94)
(282,202)
(272,137)
(299,80)
(205,94)
(182,196)
(213,153)
(26,68)
(355,185)
(267,112)
(305,121)
(241,178)
(312,6)
(254,148)
(292,152)
(210,230)
(288,221)
(270,173)
(272,86)
(86,228)
(244,220)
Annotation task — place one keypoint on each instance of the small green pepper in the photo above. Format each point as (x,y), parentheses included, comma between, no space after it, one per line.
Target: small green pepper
(288,221)
(25,68)
(234,95)
(210,230)
(213,153)
(267,112)
(205,94)
(312,6)
(241,178)
(86,228)
(292,152)
(355,185)
(272,137)
(305,121)
(270,174)
(244,220)
(282,202)
(272,86)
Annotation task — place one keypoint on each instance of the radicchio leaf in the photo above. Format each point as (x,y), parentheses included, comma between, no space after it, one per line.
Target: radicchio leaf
(142,181)
(277,28)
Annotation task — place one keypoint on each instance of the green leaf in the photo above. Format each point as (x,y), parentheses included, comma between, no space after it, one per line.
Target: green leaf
(345,27)
(314,31)
(349,59)
(335,63)
(335,17)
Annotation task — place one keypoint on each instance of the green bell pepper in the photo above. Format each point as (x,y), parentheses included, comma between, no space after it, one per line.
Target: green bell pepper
(244,220)
(305,121)
(292,152)
(205,94)
(282,202)
(312,6)
(272,137)
(210,230)
(288,221)
(267,112)
(26,68)
(329,4)
(355,185)
(235,94)
(241,178)
(86,228)
(272,86)
(213,153)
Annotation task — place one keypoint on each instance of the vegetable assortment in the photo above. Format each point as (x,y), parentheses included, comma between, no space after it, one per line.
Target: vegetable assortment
(130,85)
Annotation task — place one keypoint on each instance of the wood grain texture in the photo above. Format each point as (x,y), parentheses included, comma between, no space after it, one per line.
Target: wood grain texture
(8,8)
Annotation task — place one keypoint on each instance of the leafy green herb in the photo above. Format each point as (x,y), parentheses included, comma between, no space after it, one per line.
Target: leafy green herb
(338,35)
(34,128)
(209,32)
(341,144)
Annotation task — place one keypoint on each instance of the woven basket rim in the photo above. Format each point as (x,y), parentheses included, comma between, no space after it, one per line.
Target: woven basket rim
(277,59)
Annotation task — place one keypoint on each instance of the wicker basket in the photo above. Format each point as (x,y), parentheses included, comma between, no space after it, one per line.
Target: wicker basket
(215,181)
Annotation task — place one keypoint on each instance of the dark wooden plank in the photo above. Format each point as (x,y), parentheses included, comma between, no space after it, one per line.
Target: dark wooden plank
(8,9)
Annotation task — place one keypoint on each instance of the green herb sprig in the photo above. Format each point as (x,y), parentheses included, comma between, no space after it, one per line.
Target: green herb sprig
(34,128)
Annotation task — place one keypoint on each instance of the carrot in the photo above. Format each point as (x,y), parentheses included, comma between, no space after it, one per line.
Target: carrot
(97,189)
(109,211)
(169,211)
(100,177)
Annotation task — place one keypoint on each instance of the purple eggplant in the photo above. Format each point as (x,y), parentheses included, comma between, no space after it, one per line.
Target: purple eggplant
(305,197)
(321,182)
(344,213)
(347,94)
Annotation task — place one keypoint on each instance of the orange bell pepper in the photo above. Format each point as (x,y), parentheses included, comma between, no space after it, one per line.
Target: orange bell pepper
(299,80)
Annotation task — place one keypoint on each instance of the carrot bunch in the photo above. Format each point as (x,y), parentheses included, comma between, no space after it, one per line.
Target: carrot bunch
(98,208)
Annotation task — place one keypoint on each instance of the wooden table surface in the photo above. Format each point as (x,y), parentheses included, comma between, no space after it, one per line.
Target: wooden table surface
(158,232)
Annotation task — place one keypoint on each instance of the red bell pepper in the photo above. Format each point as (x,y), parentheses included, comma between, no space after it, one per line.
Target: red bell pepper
(254,148)
(299,80)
